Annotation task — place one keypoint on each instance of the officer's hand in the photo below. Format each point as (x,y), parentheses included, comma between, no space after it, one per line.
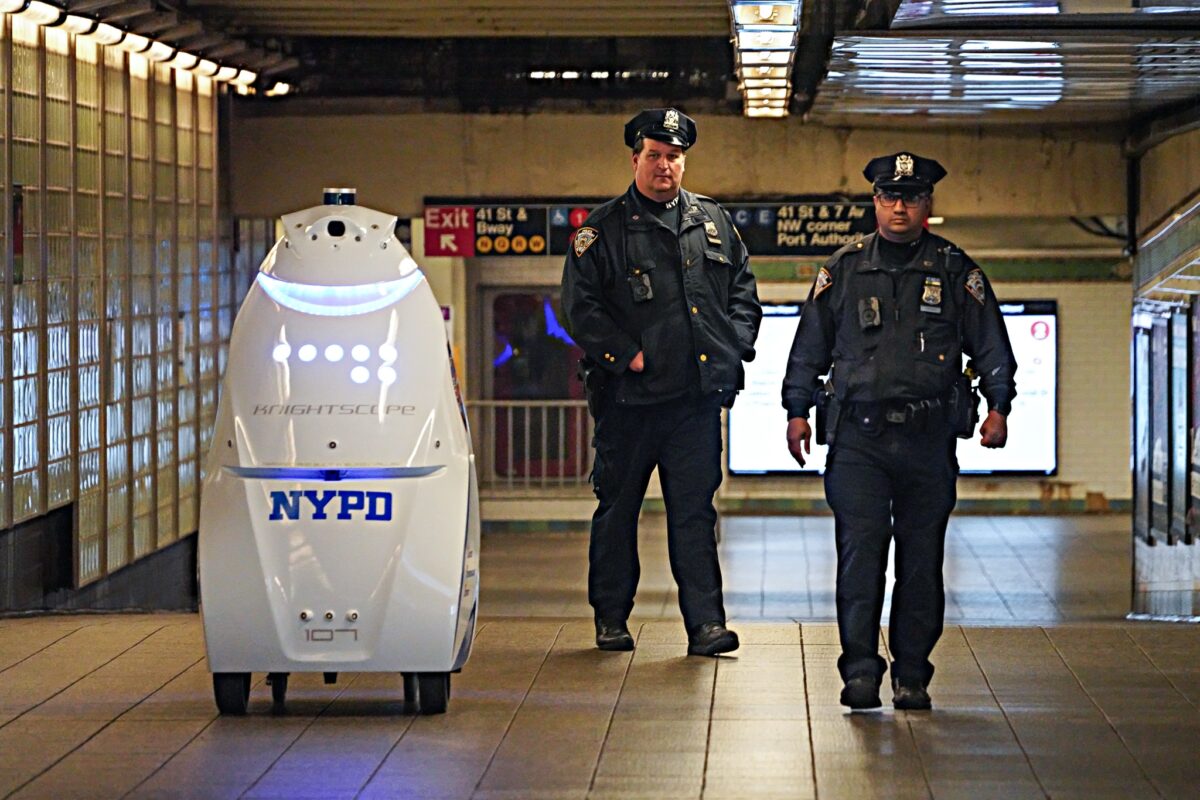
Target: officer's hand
(639,362)
(994,430)
(798,436)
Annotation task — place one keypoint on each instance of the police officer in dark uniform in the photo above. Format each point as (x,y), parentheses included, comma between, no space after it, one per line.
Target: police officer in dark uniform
(658,292)
(892,316)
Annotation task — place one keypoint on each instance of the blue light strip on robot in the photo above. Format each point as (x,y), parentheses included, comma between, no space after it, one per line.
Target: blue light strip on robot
(330,473)
(338,301)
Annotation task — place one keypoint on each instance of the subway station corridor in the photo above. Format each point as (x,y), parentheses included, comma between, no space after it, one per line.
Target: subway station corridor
(1043,690)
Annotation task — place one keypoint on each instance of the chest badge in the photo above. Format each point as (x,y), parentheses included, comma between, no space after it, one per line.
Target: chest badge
(710,230)
(931,297)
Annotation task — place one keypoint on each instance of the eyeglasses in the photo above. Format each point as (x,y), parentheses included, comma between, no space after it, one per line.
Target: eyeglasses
(909,200)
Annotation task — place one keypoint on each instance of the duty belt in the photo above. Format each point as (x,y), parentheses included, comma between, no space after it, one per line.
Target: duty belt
(896,412)
(901,414)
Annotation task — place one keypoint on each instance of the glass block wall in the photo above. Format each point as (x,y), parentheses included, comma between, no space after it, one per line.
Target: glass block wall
(122,276)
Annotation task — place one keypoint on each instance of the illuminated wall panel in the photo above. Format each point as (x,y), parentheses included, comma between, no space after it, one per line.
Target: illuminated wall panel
(119,291)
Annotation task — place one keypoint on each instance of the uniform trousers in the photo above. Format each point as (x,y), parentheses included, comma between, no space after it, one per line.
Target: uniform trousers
(682,438)
(897,482)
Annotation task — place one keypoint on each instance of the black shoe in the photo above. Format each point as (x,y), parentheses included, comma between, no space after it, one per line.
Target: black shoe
(910,696)
(861,693)
(712,638)
(613,634)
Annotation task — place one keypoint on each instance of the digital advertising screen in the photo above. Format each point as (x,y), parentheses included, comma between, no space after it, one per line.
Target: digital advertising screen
(758,424)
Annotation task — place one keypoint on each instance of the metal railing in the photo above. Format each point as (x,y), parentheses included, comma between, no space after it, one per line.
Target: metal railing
(531,444)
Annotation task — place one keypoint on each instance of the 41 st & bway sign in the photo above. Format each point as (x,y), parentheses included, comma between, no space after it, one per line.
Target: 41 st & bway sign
(808,225)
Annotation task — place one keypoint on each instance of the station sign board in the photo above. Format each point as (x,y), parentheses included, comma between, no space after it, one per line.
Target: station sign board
(810,225)
(804,226)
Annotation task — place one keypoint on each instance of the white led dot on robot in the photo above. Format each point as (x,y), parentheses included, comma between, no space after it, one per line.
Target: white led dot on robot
(307,352)
(334,352)
(360,374)
(281,352)
(360,352)
(387,376)
(388,353)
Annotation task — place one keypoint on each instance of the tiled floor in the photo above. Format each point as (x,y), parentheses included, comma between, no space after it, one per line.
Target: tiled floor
(1042,691)
(999,570)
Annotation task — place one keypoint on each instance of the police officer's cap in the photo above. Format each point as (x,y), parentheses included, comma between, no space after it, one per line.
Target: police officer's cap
(904,172)
(663,124)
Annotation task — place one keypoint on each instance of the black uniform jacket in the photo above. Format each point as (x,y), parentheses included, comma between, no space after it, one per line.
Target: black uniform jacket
(899,336)
(702,320)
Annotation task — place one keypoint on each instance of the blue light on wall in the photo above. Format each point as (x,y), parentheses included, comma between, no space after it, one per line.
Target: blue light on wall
(553,327)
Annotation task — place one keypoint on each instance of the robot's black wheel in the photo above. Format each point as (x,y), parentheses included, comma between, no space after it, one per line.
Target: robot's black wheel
(434,691)
(410,688)
(232,692)
(279,684)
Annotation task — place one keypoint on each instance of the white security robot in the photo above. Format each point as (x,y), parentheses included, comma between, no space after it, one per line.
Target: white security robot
(339,527)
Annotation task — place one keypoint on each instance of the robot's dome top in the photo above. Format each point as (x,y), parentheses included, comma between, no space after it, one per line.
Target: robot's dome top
(338,245)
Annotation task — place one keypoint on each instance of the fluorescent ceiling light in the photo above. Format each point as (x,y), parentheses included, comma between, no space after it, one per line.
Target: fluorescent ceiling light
(770,113)
(757,57)
(135,43)
(1006,44)
(40,13)
(226,73)
(1035,7)
(107,34)
(160,52)
(78,25)
(245,78)
(751,73)
(765,36)
(11,6)
(752,39)
(764,83)
(206,68)
(184,60)
(765,13)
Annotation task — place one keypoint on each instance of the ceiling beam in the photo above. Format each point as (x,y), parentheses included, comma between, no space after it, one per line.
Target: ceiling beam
(127,10)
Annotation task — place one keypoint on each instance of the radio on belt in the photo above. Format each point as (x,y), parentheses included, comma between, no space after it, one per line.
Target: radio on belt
(339,526)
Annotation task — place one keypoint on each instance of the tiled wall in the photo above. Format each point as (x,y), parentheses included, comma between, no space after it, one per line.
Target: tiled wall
(1093,388)
(118,295)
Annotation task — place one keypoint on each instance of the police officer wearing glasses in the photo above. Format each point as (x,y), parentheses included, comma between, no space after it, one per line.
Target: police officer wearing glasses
(889,319)
(658,292)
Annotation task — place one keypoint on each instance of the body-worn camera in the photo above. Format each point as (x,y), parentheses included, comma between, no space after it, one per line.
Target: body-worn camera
(639,282)
(868,313)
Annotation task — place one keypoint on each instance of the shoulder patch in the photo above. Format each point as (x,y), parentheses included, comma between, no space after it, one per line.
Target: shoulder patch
(583,240)
(823,282)
(975,285)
